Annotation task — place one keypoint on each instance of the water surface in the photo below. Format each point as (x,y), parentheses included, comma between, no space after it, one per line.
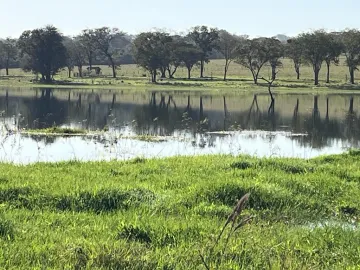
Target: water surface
(296,125)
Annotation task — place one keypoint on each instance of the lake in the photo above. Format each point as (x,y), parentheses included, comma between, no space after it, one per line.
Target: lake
(124,124)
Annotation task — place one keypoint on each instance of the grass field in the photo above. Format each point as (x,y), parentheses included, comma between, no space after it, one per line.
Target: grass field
(239,78)
(161,214)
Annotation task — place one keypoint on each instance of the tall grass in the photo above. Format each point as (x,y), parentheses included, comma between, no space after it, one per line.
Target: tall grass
(158,213)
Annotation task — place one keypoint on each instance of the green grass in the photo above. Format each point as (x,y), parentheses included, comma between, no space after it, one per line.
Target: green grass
(57,131)
(159,213)
(239,79)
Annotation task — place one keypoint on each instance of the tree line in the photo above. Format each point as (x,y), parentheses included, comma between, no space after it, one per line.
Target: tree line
(45,51)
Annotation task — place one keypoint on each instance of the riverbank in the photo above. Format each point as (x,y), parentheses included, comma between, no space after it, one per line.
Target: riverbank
(195,86)
(163,213)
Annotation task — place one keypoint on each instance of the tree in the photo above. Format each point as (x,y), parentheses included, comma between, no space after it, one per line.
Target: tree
(275,51)
(8,53)
(206,39)
(149,52)
(175,54)
(68,43)
(253,54)
(190,55)
(87,40)
(104,42)
(294,51)
(228,45)
(351,42)
(44,51)
(314,50)
(76,55)
(334,48)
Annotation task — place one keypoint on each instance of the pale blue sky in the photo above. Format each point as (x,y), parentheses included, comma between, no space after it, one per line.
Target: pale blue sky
(255,18)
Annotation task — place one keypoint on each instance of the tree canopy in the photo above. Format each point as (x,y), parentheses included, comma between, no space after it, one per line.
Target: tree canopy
(44,51)
(207,40)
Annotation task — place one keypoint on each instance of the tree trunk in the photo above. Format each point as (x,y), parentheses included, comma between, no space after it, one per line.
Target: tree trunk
(297,70)
(80,70)
(171,75)
(226,69)
(113,70)
(90,60)
(48,78)
(254,76)
(69,72)
(163,72)
(189,73)
(169,72)
(273,72)
(202,69)
(352,80)
(153,76)
(328,72)
(316,74)
(7,67)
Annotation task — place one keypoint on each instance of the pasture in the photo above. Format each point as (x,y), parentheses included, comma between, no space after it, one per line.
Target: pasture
(239,78)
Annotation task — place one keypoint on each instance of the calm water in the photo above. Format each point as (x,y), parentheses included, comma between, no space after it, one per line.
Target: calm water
(294,126)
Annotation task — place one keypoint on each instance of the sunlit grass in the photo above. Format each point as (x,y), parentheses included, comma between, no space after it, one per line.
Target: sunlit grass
(239,79)
(159,213)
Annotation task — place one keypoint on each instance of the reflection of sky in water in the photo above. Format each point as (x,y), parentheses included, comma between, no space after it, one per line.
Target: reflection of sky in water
(22,149)
(330,122)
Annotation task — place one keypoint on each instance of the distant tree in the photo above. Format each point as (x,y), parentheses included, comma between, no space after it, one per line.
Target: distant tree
(68,43)
(227,45)
(206,39)
(87,40)
(314,50)
(294,50)
(334,48)
(253,55)
(148,51)
(104,42)
(175,54)
(351,42)
(8,53)
(76,55)
(44,51)
(190,55)
(276,51)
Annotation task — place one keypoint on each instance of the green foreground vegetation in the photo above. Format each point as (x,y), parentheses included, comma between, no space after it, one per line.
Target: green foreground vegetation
(164,213)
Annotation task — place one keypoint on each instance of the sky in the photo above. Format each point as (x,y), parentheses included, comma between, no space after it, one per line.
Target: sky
(254,18)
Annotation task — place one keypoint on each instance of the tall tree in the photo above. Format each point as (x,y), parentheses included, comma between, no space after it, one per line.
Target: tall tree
(294,51)
(87,40)
(190,55)
(206,39)
(104,39)
(44,51)
(8,53)
(275,50)
(76,55)
(175,54)
(68,43)
(148,51)
(228,44)
(333,51)
(253,54)
(314,50)
(351,42)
